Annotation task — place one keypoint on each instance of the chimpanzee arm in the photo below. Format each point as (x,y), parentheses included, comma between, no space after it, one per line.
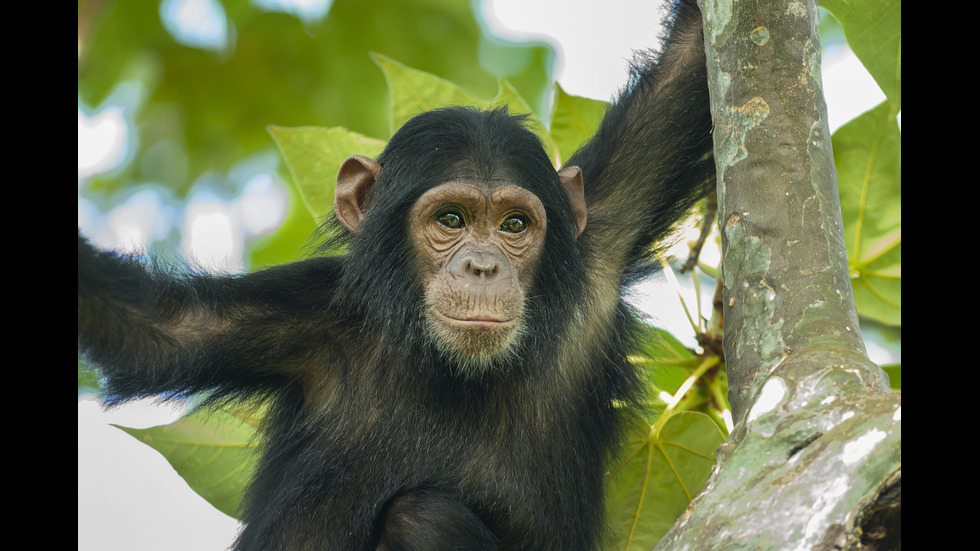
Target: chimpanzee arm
(154,332)
(431,519)
(650,159)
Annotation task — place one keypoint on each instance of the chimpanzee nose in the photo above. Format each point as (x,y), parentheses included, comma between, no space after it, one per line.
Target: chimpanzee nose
(481,265)
(485,264)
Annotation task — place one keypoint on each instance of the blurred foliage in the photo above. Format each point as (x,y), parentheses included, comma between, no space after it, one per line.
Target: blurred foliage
(278,70)
(199,112)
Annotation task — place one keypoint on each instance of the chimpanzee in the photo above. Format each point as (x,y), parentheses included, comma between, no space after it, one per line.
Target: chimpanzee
(450,381)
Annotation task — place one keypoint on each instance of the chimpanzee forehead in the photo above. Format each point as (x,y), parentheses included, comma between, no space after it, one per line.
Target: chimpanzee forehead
(496,191)
(505,172)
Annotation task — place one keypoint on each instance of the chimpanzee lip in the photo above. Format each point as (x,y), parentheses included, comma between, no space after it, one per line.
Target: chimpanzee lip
(477,322)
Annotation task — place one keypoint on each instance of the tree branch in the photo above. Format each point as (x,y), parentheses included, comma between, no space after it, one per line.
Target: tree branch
(814,461)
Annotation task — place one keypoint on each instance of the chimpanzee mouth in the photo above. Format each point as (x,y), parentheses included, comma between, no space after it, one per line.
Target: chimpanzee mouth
(477,322)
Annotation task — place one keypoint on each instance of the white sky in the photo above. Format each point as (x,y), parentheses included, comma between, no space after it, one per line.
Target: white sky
(128,495)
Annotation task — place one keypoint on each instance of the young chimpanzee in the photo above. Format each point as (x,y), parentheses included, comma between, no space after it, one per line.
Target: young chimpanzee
(449,383)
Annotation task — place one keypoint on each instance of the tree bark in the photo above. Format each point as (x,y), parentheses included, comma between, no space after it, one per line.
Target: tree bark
(814,461)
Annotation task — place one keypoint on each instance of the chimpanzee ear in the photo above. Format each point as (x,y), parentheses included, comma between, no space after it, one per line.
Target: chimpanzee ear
(571,178)
(355,178)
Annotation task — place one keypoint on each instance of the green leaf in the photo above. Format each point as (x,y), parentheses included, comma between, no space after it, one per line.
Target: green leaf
(894,372)
(413,91)
(201,111)
(214,451)
(314,156)
(873,29)
(868,158)
(574,120)
(657,476)
(667,361)
(510,97)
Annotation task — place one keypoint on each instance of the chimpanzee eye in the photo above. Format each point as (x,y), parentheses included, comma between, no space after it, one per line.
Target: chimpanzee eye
(451,219)
(514,224)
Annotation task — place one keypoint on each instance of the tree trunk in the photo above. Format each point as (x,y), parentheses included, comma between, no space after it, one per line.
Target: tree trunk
(814,461)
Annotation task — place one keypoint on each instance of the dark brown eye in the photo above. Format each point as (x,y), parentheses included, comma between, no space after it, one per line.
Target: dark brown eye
(451,219)
(514,224)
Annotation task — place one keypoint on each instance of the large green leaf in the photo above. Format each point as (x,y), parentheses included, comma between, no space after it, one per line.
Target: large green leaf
(213,450)
(657,476)
(574,120)
(868,157)
(873,29)
(414,91)
(314,156)
(666,362)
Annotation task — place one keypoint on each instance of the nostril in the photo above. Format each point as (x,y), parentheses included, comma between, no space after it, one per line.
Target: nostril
(482,267)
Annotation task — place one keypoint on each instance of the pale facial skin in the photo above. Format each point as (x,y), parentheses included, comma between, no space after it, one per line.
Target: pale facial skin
(477,247)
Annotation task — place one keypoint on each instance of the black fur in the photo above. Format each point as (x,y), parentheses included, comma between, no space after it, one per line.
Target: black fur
(375,440)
